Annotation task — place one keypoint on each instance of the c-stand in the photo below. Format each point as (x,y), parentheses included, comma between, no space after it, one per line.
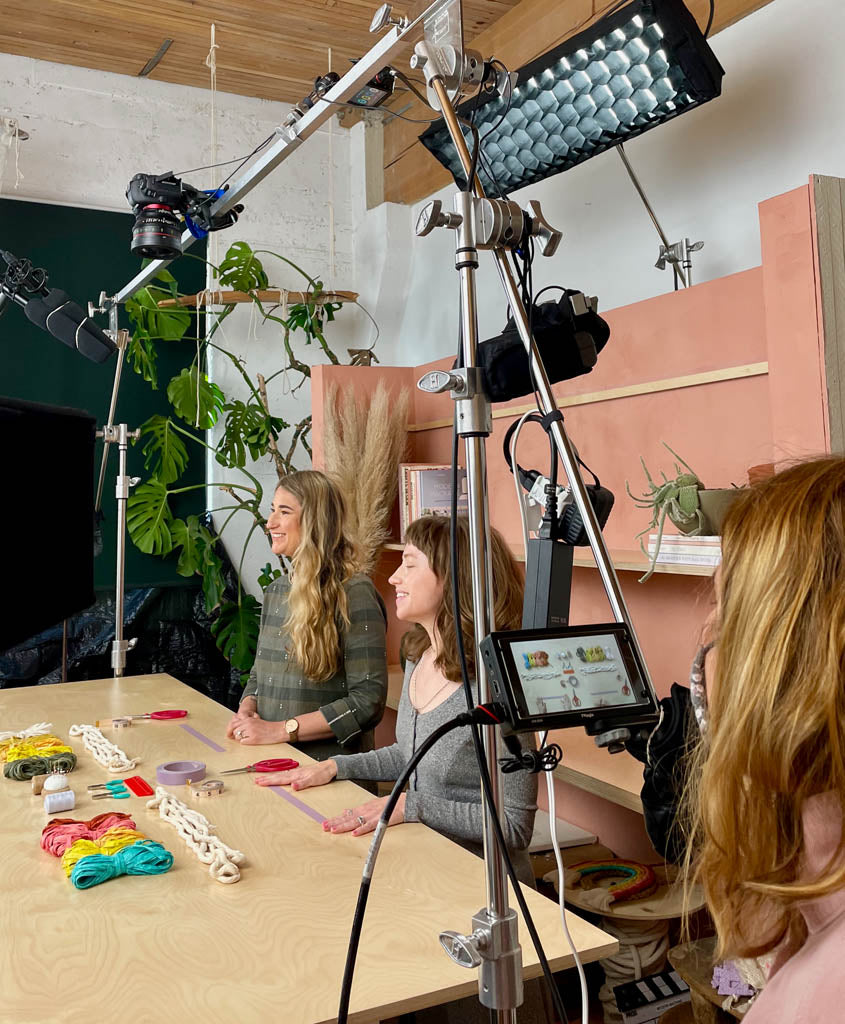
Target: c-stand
(495,225)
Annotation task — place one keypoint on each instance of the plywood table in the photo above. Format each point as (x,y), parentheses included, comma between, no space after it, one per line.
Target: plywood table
(182,947)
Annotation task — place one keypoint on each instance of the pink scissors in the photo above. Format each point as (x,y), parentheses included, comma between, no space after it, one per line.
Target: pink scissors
(273,764)
(160,714)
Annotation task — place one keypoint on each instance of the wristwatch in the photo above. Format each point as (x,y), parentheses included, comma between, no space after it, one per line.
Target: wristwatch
(292,727)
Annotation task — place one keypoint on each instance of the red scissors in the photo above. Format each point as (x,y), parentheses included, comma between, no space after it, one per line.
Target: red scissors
(273,764)
(160,714)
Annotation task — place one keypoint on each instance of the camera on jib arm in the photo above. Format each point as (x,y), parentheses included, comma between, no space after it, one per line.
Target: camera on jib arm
(163,205)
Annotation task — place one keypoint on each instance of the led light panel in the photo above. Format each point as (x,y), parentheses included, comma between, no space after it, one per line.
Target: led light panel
(640,66)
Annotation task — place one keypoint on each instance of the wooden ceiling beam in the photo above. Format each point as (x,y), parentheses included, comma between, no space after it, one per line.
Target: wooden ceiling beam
(527,30)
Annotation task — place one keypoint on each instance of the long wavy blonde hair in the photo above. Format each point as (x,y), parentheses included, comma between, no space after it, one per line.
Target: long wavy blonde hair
(323,562)
(431,535)
(776,732)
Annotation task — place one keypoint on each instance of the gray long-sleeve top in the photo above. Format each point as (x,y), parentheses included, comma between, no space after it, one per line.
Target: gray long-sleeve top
(445,790)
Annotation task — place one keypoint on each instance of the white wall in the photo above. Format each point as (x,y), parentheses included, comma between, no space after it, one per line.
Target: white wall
(777,121)
(90,131)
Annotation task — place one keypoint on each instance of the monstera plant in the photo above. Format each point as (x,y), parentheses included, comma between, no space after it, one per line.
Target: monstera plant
(250,432)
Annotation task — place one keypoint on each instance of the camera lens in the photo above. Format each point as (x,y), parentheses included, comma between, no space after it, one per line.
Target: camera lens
(157,233)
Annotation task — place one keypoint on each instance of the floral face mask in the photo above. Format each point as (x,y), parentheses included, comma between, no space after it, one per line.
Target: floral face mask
(698,688)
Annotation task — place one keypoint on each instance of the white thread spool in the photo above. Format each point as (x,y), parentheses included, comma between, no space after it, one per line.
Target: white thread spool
(55,783)
(62,801)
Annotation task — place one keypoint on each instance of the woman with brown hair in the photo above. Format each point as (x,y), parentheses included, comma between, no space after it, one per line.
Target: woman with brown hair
(320,673)
(767,791)
(445,790)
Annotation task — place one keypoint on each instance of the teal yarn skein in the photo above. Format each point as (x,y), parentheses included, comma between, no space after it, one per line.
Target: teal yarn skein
(145,857)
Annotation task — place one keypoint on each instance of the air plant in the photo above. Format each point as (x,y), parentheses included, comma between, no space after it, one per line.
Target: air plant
(676,498)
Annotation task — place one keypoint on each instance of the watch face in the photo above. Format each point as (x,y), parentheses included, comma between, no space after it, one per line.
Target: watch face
(292,725)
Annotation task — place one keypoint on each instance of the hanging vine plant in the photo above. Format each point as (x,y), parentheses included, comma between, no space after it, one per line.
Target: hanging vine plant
(250,432)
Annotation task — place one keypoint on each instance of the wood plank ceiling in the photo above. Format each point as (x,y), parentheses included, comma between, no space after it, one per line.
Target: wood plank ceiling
(273,49)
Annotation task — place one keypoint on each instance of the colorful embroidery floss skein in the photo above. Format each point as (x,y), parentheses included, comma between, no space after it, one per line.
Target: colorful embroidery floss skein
(107,845)
(142,858)
(62,832)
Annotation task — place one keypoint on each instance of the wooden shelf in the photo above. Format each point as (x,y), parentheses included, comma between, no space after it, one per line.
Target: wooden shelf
(227,298)
(624,560)
(634,561)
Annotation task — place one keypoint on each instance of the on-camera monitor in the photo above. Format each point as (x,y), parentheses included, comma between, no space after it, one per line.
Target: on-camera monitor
(569,676)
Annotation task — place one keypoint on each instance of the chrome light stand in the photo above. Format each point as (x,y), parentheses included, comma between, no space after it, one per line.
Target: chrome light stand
(495,225)
(121,435)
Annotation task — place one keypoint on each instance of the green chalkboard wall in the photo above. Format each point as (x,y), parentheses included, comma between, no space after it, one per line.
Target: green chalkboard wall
(85,252)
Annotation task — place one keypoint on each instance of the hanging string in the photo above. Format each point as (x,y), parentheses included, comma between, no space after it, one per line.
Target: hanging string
(142,858)
(104,752)
(107,845)
(332,271)
(212,242)
(223,862)
(63,832)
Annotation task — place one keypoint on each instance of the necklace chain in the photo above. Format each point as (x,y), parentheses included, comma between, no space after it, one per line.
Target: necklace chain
(413,686)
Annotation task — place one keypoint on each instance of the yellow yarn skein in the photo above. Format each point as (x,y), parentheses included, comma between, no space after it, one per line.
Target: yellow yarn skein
(108,843)
(35,746)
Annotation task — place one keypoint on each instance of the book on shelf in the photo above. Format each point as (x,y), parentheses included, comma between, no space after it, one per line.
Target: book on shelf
(425,489)
(679,549)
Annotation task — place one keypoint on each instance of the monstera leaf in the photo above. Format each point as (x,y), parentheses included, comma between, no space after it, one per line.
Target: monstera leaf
(168,324)
(189,536)
(267,575)
(142,355)
(183,392)
(149,519)
(241,269)
(236,631)
(249,427)
(164,450)
(213,583)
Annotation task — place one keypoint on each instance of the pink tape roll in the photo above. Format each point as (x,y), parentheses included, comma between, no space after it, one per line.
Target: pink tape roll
(177,773)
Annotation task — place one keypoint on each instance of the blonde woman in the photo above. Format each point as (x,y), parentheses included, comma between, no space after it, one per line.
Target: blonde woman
(320,673)
(768,790)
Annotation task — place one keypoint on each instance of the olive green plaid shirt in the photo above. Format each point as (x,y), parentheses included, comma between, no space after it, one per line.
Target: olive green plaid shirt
(352,701)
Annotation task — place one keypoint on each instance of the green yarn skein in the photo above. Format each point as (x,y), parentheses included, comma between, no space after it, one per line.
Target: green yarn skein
(26,767)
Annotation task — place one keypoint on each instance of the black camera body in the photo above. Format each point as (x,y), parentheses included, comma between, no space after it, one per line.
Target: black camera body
(161,202)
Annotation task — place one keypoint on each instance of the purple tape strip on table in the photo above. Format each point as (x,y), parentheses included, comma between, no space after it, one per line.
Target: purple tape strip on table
(282,791)
(203,739)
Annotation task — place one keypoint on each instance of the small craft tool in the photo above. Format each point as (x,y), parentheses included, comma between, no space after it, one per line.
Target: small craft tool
(139,786)
(160,716)
(273,764)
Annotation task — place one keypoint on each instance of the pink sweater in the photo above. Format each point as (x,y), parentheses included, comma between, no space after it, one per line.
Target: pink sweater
(809,987)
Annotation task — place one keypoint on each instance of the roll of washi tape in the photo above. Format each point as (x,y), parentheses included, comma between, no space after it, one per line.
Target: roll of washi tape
(63,801)
(55,782)
(211,787)
(178,773)
(121,723)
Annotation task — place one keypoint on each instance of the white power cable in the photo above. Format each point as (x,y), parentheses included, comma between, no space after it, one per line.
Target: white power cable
(519,498)
(561,877)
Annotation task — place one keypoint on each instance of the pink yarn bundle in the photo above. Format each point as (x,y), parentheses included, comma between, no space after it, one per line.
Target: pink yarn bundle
(61,833)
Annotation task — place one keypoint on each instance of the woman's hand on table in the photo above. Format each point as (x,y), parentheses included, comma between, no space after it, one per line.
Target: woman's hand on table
(254,731)
(318,774)
(247,710)
(364,818)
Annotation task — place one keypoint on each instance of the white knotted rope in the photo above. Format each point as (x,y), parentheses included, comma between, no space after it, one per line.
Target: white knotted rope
(39,729)
(223,862)
(643,946)
(104,751)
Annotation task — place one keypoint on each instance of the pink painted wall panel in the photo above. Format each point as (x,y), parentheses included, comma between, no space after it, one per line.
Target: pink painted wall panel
(768,314)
